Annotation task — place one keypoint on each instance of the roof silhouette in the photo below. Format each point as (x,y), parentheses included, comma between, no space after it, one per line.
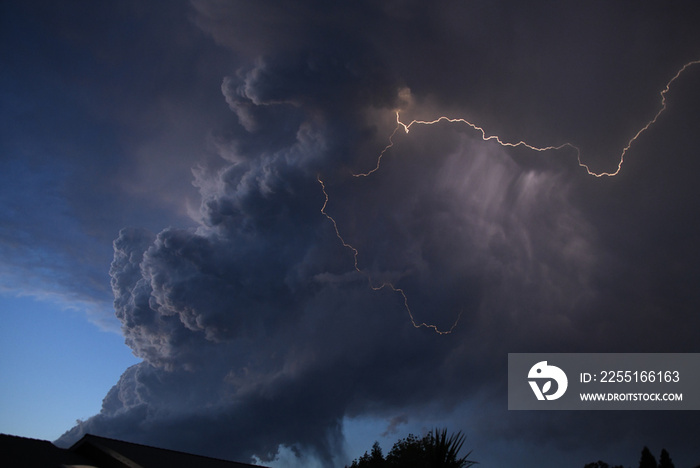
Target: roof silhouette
(101,452)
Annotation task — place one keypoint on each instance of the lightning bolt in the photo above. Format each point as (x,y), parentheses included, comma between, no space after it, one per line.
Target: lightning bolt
(374,287)
(406,127)
(497,139)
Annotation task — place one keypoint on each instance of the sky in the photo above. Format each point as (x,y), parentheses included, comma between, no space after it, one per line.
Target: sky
(199,202)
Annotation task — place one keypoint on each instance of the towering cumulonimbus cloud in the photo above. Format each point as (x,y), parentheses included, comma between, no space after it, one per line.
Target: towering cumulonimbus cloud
(256,329)
(256,326)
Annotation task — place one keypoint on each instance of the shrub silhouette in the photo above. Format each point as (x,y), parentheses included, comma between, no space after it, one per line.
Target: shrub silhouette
(601,464)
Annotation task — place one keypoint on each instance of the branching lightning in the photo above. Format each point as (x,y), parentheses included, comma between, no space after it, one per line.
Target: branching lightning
(407,127)
(388,285)
(496,138)
(485,137)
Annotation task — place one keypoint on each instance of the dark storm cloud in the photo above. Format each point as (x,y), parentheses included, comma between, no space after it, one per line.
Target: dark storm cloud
(257,332)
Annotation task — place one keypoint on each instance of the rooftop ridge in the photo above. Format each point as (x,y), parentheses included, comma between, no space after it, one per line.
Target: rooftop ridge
(120,441)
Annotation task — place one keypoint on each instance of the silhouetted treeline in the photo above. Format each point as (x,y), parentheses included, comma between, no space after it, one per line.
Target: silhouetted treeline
(435,450)
(647,460)
(438,450)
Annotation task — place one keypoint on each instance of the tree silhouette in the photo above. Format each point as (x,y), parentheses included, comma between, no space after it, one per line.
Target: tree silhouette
(443,451)
(665,460)
(598,464)
(375,459)
(647,460)
(408,452)
(435,450)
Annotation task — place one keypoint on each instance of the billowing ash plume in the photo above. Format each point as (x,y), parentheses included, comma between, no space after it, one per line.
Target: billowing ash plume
(256,330)
(256,327)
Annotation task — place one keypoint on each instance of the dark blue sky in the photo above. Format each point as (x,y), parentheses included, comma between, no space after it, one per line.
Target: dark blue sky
(159,166)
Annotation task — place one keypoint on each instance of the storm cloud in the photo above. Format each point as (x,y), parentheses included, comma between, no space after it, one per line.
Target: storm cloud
(257,331)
